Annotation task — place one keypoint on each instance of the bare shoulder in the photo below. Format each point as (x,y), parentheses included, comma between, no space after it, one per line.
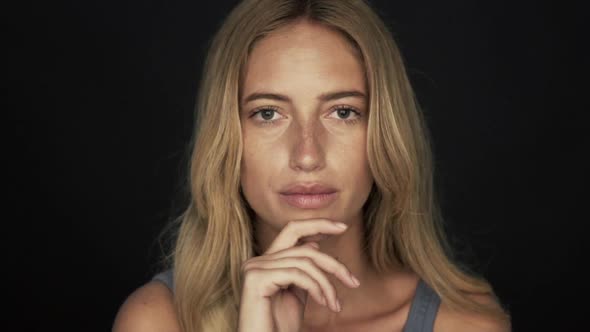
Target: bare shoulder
(450,320)
(149,308)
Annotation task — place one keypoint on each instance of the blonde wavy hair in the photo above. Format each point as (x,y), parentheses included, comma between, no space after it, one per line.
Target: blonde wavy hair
(402,219)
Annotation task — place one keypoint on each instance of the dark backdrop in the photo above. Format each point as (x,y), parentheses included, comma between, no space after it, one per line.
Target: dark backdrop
(101,117)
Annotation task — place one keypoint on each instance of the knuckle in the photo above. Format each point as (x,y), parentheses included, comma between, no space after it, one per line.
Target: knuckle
(345,271)
(296,271)
(252,274)
(316,288)
(334,270)
(306,263)
(246,266)
(337,267)
(313,251)
(343,267)
(290,224)
(308,250)
(306,260)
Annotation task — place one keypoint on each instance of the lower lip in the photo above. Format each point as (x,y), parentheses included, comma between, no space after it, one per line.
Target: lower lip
(314,201)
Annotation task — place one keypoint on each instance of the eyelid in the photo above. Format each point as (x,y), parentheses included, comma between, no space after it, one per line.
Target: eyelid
(346,107)
(257,110)
(332,109)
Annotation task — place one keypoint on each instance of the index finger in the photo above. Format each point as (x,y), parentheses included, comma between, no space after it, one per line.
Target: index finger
(296,229)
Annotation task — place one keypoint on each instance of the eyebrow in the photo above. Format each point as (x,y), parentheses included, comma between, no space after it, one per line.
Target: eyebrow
(323,97)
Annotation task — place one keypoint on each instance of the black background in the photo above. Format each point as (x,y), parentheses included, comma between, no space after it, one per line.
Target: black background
(99,116)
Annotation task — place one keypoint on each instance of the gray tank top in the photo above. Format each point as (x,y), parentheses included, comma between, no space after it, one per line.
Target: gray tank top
(422,311)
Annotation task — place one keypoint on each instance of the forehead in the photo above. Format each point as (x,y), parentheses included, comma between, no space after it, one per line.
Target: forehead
(303,56)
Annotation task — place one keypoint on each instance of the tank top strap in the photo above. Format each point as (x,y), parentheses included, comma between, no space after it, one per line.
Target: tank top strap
(423,309)
(167,277)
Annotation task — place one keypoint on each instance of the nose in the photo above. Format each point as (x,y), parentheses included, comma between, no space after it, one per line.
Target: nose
(307,151)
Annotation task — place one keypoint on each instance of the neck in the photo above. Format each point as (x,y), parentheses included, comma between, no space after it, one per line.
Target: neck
(388,293)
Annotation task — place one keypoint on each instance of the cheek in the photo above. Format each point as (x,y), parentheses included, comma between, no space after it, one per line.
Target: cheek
(355,165)
(256,173)
(351,152)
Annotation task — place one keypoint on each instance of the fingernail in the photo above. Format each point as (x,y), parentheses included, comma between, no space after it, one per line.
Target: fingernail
(324,302)
(341,225)
(355,281)
(338,306)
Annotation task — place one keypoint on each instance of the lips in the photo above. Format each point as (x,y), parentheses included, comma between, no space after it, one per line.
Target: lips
(309,201)
(308,195)
(309,188)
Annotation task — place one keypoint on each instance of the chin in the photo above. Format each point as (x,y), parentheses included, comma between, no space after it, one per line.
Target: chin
(311,214)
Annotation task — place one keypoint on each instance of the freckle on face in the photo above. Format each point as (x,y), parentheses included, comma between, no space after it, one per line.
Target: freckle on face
(309,142)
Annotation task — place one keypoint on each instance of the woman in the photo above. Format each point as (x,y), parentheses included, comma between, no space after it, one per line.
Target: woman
(312,202)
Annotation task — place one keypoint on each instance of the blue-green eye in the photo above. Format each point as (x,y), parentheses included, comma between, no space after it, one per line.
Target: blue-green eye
(267,113)
(345,111)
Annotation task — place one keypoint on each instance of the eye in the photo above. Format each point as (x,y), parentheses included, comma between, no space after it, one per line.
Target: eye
(345,112)
(266,114)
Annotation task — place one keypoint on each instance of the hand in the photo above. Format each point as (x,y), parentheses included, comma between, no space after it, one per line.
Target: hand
(276,284)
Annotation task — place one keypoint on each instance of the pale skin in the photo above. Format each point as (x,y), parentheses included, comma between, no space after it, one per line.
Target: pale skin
(308,141)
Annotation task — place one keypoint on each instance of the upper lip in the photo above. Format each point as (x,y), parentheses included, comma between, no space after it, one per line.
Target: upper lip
(308,188)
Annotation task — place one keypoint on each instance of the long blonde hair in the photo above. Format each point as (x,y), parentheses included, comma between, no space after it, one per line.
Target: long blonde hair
(402,218)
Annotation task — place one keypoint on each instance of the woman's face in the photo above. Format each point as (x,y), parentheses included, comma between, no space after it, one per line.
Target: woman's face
(308,88)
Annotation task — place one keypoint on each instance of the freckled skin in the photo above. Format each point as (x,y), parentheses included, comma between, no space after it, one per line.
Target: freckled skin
(309,141)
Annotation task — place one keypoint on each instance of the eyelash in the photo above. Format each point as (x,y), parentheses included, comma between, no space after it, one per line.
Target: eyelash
(336,108)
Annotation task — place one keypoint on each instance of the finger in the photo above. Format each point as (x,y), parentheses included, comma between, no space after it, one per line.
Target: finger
(312,244)
(273,280)
(322,260)
(296,229)
(307,265)
(279,254)
(312,238)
